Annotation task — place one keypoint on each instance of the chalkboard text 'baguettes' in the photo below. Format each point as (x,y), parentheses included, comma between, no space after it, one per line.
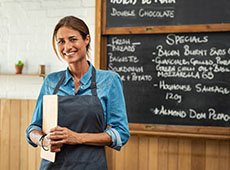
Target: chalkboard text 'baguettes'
(174,78)
(137,13)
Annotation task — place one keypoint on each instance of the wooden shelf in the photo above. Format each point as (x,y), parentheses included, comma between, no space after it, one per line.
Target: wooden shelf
(12,74)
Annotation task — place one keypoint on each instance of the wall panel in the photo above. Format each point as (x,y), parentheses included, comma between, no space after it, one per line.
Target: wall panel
(162,153)
(140,153)
(16,153)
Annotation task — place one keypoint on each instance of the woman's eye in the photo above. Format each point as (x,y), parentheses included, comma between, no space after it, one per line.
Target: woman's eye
(73,39)
(61,42)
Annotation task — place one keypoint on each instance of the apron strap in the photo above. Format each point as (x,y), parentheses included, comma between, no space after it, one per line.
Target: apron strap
(59,83)
(93,85)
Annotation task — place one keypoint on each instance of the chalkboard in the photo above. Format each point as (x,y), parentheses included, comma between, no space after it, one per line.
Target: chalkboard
(137,13)
(174,79)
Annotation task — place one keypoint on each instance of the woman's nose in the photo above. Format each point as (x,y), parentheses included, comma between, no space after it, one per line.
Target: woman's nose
(68,46)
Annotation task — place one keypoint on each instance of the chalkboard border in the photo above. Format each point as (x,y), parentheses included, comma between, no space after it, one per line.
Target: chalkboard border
(180,131)
(166,29)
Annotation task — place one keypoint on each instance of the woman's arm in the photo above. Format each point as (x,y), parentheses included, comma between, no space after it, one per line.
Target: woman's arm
(36,122)
(61,135)
(116,114)
(58,136)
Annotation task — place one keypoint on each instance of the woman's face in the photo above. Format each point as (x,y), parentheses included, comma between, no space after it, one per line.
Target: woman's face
(71,45)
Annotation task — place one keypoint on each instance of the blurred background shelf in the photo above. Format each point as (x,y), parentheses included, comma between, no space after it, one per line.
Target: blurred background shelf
(13,74)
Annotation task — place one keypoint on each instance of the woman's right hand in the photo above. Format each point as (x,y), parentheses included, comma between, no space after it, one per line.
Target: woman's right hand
(35,136)
(52,147)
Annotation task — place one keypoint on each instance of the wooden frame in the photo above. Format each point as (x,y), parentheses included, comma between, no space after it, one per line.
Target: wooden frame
(180,131)
(167,29)
(153,129)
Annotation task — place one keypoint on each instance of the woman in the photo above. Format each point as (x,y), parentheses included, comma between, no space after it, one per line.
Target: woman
(92,111)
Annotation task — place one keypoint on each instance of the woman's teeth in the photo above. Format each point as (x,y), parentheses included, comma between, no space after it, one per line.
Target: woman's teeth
(69,53)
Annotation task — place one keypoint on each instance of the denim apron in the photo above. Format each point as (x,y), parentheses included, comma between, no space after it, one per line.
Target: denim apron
(82,114)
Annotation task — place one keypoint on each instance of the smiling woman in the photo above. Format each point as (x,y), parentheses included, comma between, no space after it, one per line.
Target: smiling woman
(92,112)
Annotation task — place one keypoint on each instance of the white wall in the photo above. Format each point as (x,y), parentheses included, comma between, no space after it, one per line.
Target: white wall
(26,28)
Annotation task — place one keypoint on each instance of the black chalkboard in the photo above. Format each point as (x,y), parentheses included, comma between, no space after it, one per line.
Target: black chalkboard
(174,79)
(137,13)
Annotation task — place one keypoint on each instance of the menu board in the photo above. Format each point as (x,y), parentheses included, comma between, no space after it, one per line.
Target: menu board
(174,79)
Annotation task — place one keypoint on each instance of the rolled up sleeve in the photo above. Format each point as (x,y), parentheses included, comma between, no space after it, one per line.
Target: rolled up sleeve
(116,139)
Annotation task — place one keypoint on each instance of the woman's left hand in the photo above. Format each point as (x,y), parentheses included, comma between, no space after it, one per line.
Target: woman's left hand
(62,135)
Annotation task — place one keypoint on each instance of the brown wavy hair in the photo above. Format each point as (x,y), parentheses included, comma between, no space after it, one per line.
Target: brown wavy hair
(75,24)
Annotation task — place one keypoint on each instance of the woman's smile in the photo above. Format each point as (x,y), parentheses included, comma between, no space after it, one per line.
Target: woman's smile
(69,54)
